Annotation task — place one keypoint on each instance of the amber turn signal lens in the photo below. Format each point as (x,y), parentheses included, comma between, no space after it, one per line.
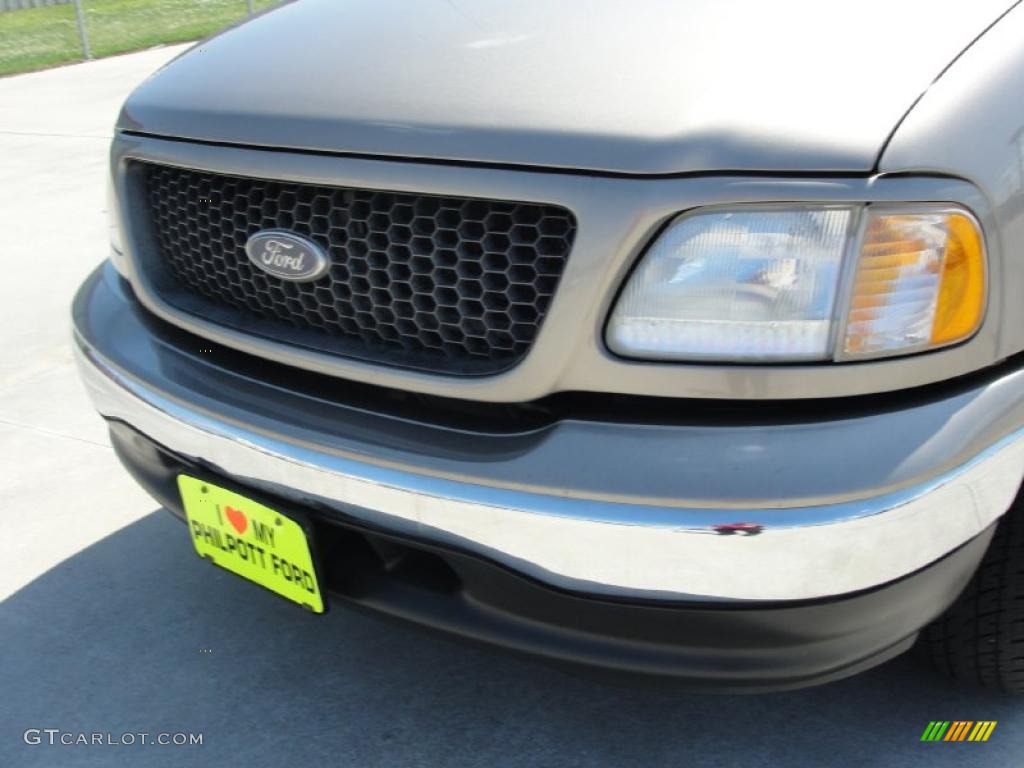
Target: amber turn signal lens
(962,295)
(920,283)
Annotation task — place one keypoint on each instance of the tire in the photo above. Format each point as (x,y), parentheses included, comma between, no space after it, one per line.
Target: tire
(980,638)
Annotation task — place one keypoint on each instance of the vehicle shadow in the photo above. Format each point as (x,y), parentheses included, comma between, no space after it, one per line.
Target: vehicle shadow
(136,634)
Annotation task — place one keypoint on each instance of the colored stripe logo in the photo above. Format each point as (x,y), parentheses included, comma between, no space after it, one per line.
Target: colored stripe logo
(959,730)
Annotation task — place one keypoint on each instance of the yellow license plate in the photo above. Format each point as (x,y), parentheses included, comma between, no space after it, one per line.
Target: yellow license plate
(251,540)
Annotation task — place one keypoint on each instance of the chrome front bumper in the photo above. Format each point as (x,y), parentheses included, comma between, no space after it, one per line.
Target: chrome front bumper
(574,536)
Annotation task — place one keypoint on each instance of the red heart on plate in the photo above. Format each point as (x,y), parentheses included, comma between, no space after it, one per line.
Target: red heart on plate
(236,518)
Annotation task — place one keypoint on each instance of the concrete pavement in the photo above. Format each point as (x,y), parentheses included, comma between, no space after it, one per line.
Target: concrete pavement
(55,127)
(109,623)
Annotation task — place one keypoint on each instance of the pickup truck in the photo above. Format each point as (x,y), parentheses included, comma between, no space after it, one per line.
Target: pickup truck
(667,339)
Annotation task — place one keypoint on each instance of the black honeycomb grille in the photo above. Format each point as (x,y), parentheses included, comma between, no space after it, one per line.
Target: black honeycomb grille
(445,284)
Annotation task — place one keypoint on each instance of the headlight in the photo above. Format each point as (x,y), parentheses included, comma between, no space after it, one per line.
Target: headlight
(113,224)
(117,256)
(803,283)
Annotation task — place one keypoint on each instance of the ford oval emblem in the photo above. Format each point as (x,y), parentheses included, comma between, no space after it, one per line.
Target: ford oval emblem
(287,256)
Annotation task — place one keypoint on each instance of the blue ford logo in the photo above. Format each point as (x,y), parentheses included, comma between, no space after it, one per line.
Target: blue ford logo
(287,256)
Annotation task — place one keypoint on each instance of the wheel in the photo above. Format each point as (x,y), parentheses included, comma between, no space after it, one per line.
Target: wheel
(980,639)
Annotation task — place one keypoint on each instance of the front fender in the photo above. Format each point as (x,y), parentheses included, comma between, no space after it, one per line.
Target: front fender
(970,124)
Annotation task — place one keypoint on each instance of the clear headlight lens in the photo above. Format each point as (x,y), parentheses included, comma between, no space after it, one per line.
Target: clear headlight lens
(114,230)
(755,284)
(113,225)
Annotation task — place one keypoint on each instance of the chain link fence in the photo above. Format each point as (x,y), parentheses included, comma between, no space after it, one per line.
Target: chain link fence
(35,34)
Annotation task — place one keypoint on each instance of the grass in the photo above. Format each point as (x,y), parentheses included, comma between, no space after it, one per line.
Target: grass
(36,38)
